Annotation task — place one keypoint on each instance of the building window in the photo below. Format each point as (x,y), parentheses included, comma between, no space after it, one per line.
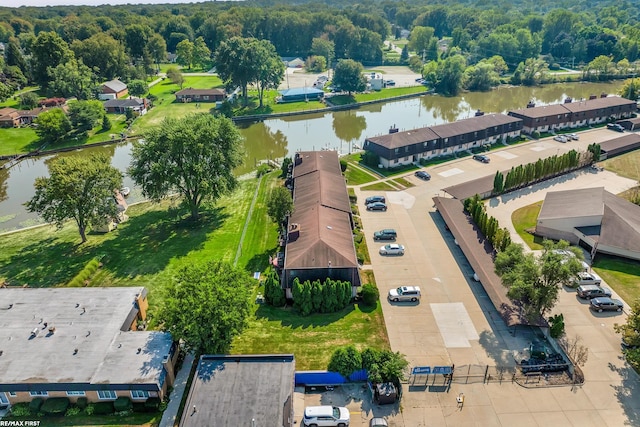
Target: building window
(139,394)
(38,393)
(75,393)
(13,394)
(106,394)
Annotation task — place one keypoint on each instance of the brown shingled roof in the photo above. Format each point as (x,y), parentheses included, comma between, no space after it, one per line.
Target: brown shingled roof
(472,124)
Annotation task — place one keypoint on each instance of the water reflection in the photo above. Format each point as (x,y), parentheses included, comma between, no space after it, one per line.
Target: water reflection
(4,176)
(349,127)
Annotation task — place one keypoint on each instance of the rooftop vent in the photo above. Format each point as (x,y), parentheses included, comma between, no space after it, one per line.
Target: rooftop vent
(294,232)
(568,100)
(34,333)
(139,350)
(10,306)
(479,113)
(75,351)
(531,104)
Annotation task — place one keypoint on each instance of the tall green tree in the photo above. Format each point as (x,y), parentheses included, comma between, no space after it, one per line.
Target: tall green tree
(234,63)
(450,74)
(194,155)
(321,46)
(185,53)
(103,54)
(348,76)
(138,88)
(270,69)
(206,306)
(52,125)
(78,188)
(175,76)
(419,39)
(48,51)
(14,55)
(201,53)
(481,77)
(630,332)
(157,48)
(85,115)
(71,79)
(279,205)
(345,361)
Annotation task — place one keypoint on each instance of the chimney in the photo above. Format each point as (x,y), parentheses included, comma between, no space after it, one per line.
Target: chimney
(592,97)
(298,159)
(531,104)
(603,95)
(568,100)
(479,113)
(293,232)
(393,129)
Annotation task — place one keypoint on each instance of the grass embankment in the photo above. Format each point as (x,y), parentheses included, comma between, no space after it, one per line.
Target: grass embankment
(156,241)
(627,165)
(379,186)
(356,175)
(375,95)
(524,219)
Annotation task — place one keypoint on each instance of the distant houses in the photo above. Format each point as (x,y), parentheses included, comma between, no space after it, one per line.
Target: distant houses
(120,106)
(113,89)
(300,94)
(11,117)
(201,95)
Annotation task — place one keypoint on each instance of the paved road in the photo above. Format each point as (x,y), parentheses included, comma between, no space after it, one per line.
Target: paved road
(456,323)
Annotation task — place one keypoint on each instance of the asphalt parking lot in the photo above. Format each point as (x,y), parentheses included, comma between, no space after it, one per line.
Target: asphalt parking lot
(455,323)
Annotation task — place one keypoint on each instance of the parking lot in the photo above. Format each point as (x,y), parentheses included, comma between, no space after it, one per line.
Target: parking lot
(455,323)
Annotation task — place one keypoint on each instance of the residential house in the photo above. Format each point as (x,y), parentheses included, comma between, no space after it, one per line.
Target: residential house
(9,117)
(120,106)
(292,62)
(81,342)
(402,148)
(593,218)
(319,243)
(241,390)
(201,95)
(113,89)
(573,114)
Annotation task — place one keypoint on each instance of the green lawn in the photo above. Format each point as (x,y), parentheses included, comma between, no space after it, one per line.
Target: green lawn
(621,274)
(403,182)
(627,165)
(525,218)
(379,186)
(135,419)
(357,176)
(17,140)
(375,95)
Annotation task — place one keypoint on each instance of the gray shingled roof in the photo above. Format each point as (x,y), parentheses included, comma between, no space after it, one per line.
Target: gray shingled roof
(129,102)
(115,85)
(572,204)
(571,107)
(201,92)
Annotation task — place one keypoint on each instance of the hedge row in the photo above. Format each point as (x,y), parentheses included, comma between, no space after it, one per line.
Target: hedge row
(79,280)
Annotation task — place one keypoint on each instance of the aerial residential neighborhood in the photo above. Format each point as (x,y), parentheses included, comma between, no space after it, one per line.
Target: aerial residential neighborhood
(284,214)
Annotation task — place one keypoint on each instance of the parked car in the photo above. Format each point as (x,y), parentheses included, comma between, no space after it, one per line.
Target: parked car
(630,342)
(376,206)
(390,83)
(584,278)
(573,136)
(423,175)
(392,249)
(481,158)
(560,138)
(593,291)
(606,304)
(615,126)
(405,293)
(419,79)
(373,199)
(378,422)
(386,234)
(319,416)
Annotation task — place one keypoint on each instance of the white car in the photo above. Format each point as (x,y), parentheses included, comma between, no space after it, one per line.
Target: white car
(405,293)
(560,138)
(574,136)
(318,416)
(392,249)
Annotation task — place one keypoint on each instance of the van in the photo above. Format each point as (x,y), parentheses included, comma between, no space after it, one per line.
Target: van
(593,291)
(319,416)
(386,234)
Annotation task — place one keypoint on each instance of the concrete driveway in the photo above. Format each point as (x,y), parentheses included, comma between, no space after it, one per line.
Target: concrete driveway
(455,323)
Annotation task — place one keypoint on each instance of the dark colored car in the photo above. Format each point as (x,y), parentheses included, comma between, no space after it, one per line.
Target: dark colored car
(615,126)
(376,206)
(374,199)
(423,175)
(481,158)
(593,291)
(605,304)
(386,234)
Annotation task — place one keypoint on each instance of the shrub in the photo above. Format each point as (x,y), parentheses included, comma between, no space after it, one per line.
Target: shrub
(72,411)
(82,402)
(55,405)
(103,408)
(20,410)
(122,403)
(370,294)
(139,407)
(343,165)
(535,134)
(36,404)
(152,403)
(90,409)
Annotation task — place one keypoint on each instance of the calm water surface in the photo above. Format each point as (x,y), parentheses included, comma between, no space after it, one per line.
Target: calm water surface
(278,138)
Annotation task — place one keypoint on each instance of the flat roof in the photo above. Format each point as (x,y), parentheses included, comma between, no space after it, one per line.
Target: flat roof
(572,203)
(87,319)
(233,390)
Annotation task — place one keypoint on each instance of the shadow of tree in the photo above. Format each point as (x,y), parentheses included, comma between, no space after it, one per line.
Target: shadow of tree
(627,392)
(143,245)
(289,317)
(260,262)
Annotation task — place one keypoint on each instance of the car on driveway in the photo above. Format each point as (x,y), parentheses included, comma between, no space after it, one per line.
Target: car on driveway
(386,234)
(615,126)
(376,206)
(560,138)
(423,175)
(405,293)
(378,422)
(573,136)
(585,278)
(593,291)
(481,158)
(318,416)
(373,199)
(390,83)
(392,249)
(606,304)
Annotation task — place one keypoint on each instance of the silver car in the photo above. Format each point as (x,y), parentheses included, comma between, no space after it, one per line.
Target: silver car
(405,293)
(392,249)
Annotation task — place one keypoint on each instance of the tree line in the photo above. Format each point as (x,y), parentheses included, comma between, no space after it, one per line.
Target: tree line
(499,238)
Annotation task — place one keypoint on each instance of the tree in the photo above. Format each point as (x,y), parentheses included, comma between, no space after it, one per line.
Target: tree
(273,292)
(322,47)
(106,123)
(217,295)
(630,332)
(52,125)
(420,38)
(85,115)
(157,48)
(78,188)
(14,55)
(345,361)
(48,51)
(103,54)
(137,88)
(175,76)
(532,282)
(279,205)
(194,155)
(348,76)
(71,79)
(315,64)
(630,89)
(185,53)
(201,53)
(384,365)
(269,68)
(450,73)
(29,100)
(233,63)
(370,294)
(481,77)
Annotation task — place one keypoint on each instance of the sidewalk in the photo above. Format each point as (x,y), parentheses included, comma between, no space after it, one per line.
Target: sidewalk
(171,413)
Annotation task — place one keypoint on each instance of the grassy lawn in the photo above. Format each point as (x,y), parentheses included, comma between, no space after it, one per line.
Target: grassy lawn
(17,140)
(375,95)
(135,419)
(626,165)
(270,106)
(525,218)
(621,274)
(313,338)
(357,176)
(403,182)
(379,186)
